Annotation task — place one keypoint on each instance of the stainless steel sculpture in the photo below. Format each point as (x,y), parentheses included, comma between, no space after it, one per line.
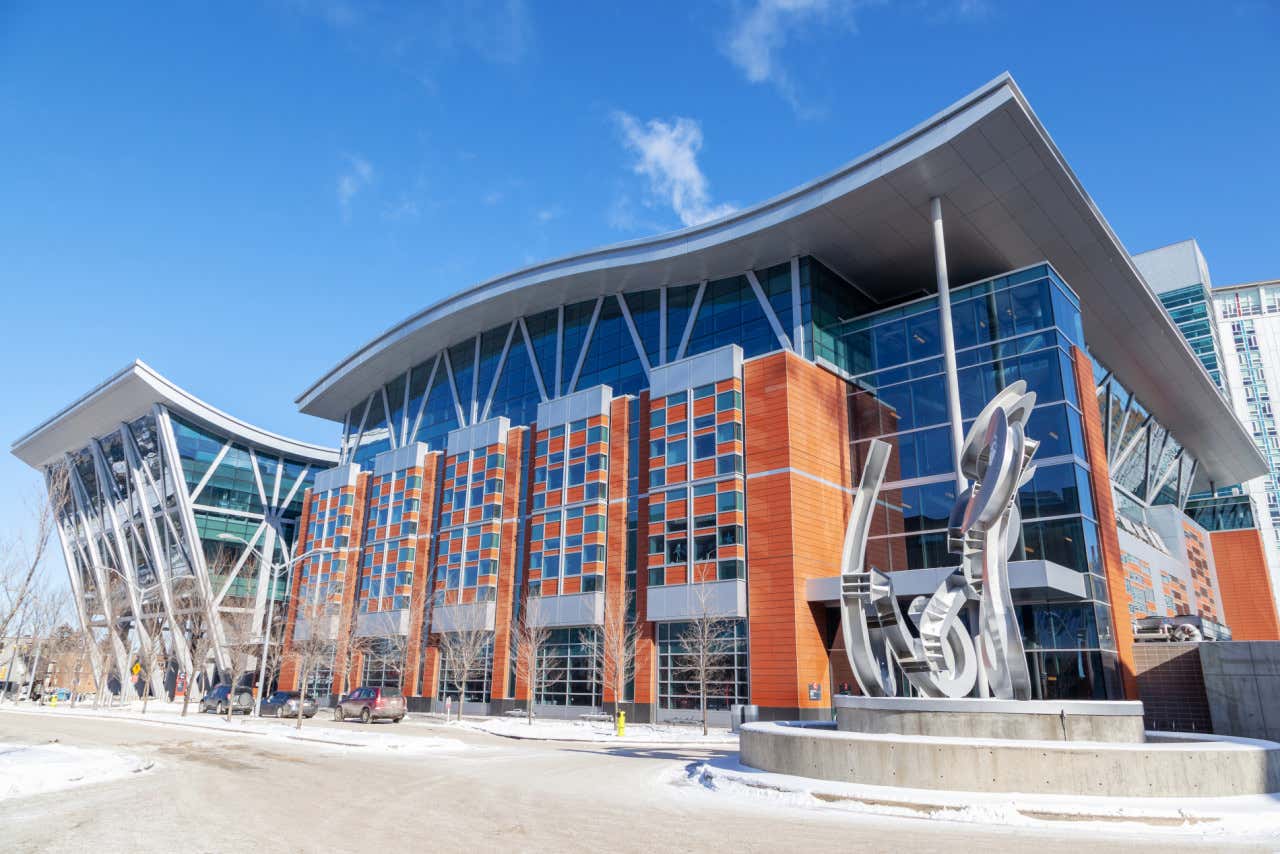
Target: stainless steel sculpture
(931,645)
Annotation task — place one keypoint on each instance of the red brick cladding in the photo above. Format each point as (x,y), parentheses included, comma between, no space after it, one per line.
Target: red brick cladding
(798,471)
(1108,536)
(1248,602)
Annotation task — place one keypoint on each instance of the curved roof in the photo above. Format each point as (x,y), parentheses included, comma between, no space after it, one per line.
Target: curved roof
(1009,199)
(129,394)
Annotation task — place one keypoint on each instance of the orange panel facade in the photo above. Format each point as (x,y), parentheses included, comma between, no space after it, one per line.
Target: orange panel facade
(1248,602)
(1108,538)
(798,471)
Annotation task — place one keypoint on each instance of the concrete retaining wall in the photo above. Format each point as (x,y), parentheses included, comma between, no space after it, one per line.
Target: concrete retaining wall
(1178,767)
(1242,683)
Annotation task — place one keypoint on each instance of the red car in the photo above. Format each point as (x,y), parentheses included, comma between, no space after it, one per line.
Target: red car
(369,704)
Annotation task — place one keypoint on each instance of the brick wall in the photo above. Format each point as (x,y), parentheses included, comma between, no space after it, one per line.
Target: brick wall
(1171,687)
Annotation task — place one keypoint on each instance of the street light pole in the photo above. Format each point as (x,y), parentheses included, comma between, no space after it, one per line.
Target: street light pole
(272,569)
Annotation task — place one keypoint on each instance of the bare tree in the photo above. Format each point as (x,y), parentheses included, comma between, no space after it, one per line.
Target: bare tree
(464,648)
(706,647)
(310,646)
(153,656)
(189,602)
(22,556)
(46,613)
(241,642)
(528,640)
(388,653)
(65,654)
(614,650)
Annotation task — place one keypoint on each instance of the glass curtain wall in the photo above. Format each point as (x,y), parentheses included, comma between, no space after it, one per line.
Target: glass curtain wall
(1020,326)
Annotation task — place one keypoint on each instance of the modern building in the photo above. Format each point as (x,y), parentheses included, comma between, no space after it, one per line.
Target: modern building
(174,517)
(673,426)
(1248,325)
(670,430)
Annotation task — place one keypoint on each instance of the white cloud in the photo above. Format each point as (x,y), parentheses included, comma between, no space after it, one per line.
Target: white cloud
(357,176)
(548,214)
(762,29)
(492,197)
(667,154)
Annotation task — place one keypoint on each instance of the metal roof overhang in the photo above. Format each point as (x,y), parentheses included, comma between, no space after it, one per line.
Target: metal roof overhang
(1009,201)
(129,394)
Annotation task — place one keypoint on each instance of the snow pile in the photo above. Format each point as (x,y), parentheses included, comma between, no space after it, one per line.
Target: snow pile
(378,736)
(1246,816)
(34,769)
(600,731)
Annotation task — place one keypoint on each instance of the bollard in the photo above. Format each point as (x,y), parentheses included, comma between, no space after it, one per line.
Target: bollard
(621,720)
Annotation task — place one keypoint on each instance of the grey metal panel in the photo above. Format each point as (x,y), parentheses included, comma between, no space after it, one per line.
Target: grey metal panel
(130,393)
(381,624)
(720,364)
(463,617)
(686,601)
(337,477)
(572,609)
(1031,578)
(404,457)
(576,406)
(1175,266)
(478,435)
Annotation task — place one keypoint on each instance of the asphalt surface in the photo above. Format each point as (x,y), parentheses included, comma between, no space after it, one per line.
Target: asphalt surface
(220,792)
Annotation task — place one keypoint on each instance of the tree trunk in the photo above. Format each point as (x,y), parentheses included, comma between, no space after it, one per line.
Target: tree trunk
(146,694)
(302,693)
(186,695)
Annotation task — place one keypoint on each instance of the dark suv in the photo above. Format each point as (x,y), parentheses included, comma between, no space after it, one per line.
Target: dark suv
(369,704)
(217,698)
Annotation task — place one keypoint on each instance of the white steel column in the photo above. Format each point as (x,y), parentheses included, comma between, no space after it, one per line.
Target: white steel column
(948,342)
(953,402)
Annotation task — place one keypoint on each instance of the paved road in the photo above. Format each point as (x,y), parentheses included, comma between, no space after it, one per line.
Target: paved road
(214,792)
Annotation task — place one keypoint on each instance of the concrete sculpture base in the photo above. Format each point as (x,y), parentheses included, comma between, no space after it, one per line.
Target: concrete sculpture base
(1038,720)
(1065,748)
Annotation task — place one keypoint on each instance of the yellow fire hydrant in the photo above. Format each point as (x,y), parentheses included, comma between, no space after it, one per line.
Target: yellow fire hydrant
(621,721)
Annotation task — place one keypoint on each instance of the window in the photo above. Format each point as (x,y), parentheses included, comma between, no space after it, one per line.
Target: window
(728,431)
(677,551)
(731,535)
(704,446)
(704,547)
(676,452)
(676,688)
(657,544)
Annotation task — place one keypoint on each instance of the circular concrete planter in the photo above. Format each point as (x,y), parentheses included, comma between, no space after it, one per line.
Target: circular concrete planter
(1167,765)
(1040,720)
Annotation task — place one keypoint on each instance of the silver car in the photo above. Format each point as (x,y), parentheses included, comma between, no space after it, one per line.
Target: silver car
(284,704)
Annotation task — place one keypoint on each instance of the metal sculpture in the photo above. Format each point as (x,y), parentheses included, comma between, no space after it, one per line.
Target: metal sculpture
(931,645)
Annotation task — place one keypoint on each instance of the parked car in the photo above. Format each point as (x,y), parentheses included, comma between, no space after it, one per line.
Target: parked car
(217,698)
(284,704)
(369,704)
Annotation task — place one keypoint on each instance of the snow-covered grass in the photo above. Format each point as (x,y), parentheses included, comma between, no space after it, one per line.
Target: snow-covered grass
(34,769)
(387,737)
(1256,816)
(550,729)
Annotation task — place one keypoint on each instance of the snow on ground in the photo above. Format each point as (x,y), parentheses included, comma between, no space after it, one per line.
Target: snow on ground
(599,731)
(34,769)
(1246,816)
(379,736)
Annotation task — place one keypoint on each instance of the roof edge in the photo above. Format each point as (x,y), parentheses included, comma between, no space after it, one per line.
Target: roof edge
(655,242)
(184,402)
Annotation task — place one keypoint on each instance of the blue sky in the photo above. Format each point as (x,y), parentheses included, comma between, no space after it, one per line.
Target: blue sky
(241,194)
